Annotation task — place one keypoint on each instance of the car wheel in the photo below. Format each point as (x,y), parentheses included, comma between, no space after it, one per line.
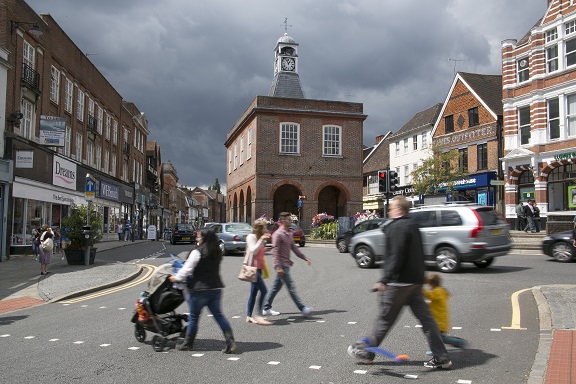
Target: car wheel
(484,263)
(364,257)
(223,249)
(342,247)
(561,252)
(447,259)
(302,243)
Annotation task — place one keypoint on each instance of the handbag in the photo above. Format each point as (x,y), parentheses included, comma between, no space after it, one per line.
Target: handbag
(247,271)
(48,244)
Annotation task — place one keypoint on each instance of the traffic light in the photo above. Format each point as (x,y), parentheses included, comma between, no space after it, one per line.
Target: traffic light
(383,181)
(393,181)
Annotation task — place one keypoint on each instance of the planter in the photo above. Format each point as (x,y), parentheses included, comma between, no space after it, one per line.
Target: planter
(76,256)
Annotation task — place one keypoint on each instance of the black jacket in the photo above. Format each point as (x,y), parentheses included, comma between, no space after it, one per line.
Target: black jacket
(206,275)
(404,260)
(527,211)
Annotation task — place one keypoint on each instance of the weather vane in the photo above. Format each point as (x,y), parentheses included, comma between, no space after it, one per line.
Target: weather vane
(285,25)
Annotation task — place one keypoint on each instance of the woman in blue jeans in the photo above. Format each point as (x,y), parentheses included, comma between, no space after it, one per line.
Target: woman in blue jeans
(202,273)
(255,247)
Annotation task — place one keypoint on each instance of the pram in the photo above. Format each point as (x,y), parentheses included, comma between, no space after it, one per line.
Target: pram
(155,309)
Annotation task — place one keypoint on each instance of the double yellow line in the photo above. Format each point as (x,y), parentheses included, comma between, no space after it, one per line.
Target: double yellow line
(148,270)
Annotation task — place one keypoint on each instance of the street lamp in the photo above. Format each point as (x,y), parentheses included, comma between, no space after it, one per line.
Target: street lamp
(35,31)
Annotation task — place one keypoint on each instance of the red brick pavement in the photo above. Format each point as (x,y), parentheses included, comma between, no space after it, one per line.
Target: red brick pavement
(562,360)
(18,303)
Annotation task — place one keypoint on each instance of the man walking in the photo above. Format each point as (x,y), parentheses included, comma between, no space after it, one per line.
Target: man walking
(520,218)
(282,244)
(400,285)
(529,213)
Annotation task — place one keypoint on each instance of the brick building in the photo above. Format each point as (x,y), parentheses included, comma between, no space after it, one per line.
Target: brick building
(470,122)
(539,96)
(285,147)
(65,120)
(376,157)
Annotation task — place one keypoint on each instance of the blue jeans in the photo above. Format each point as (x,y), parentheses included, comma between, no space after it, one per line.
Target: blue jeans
(210,298)
(277,285)
(254,288)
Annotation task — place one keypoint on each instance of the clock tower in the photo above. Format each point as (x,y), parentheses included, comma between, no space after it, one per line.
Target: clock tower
(286,81)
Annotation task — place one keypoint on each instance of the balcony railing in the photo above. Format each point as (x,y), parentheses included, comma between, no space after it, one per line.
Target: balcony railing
(92,124)
(30,78)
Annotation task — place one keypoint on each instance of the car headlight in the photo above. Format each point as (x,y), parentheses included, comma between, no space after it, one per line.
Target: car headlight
(547,238)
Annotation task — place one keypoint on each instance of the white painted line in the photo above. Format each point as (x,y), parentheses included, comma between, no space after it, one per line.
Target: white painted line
(352,322)
(464,381)
(406,326)
(53,339)
(495,329)
(102,307)
(121,309)
(235,317)
(456,327)
(360,371)
(5,335)
(79,342)
(105,345)
(315,367)
(83,306)
(30,337)
(418,326)
(290,319)
(65,304)
(410,376)
(233,358)
(197,354)
(321,321)
(134,348)
(210,315)
(273,362)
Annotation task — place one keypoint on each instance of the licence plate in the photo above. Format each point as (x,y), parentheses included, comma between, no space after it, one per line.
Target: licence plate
(296,238)
(185,238)
(496,232)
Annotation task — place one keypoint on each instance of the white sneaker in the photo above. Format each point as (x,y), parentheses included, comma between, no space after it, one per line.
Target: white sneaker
(270,312)
(306,311)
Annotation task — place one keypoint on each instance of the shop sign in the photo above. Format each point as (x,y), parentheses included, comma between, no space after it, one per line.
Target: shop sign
(52,131)
(467,135)
(24,159)
(404,191)
(109,191)
(64,173)
(565,156)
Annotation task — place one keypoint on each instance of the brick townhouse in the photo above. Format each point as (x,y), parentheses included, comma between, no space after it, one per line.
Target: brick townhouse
(539,98)
(290,153)
(64,121)
(470,122)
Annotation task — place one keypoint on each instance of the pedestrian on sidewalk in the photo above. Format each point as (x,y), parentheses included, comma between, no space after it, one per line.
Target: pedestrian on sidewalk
(400,285)
(36,242)
(520,217)
(127,230)
(529,214)
(45,254)
(120,230)
(202,273)
(282,244)
(438,297)
(536,216)
(255,247)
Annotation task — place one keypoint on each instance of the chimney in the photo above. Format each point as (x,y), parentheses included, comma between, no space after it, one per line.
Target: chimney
(378,139)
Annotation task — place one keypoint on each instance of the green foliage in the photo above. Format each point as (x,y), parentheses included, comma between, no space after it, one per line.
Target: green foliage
(439,170)
(71,226)
(325,232)
(215,186)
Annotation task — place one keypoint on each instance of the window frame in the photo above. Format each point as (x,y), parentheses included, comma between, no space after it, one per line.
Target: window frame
(415,142)
(68,96)
(570,116)
(449,124)
(332,141)
(54,85)
(570,55)
(289,145)
(80,105)
(523,69)
(473,118)
(526,125)
(553,123)
(424,139)
(463,159)
(482,156)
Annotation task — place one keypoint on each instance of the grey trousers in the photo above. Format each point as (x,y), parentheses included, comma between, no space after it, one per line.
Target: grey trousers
(392,300)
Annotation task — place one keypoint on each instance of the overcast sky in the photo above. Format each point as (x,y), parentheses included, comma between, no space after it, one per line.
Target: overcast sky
(194,66)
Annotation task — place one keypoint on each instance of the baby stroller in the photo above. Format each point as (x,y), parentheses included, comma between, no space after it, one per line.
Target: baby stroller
(155,309)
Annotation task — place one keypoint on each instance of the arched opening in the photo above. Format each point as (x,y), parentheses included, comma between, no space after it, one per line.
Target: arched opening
(235,208)
(562,188)
(249,205)
(241,207)
(286,200)
(329,201)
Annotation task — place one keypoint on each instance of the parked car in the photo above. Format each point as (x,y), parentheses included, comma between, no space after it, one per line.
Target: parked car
(297,232)
(344,238)
(208,225)
(183,233)
(232,236)
(451,234)
(559,246)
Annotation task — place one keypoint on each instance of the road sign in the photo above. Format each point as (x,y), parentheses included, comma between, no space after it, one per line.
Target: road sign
(90,188)
(496,182)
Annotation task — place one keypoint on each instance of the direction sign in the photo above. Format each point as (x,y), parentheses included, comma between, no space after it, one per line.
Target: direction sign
(90,188)
(496,182)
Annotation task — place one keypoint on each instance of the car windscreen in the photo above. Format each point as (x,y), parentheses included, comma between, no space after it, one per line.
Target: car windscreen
(183,227)
(490,216)
(237,227)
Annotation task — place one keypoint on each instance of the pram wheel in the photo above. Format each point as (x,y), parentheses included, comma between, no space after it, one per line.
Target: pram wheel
(139,333)
(158,342)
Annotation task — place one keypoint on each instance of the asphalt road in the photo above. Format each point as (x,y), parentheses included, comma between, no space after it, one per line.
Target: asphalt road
(87,341)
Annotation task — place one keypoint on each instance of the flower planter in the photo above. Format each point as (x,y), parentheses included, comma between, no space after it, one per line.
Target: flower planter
(76,256)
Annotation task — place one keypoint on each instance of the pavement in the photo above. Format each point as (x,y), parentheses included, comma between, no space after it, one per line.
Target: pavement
(22,286)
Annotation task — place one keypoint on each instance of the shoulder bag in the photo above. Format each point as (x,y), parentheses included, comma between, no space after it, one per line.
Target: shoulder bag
(247,271)
(47,244)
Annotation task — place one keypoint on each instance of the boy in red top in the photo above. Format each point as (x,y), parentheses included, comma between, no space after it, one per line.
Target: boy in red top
(282,244)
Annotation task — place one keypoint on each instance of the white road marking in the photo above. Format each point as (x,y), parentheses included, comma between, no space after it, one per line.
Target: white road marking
(197,354)
(360,371)
(495,329)
(464,381)
(351,322)
(134,348)
(273,362)
(105,345)
(53,339)
(233,358)
(6,335)
(121,309)
(65,304)
(410,376)
(79,342)
(456,327)
(321,321)
(235,317)
(102,307)
(290,319)
(315,367)
(418,326)
(83,306)
(29,337)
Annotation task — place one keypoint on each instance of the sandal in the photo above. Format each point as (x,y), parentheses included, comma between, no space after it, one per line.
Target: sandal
(251,320)
(262,321)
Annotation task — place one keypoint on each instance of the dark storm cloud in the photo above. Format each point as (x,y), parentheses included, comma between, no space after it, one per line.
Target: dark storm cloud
(193,67)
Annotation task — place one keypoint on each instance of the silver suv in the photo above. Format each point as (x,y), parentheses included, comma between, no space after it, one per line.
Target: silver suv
(451,234)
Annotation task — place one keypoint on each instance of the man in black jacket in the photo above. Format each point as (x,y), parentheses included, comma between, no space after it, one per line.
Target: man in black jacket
(400,285)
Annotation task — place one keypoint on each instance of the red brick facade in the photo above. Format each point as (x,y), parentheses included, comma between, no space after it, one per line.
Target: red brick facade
(262,180)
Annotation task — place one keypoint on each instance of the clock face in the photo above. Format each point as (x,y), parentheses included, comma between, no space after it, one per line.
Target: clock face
(288,64)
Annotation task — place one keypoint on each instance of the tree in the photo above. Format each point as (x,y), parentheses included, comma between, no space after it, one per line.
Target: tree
(439,171)
(216,186)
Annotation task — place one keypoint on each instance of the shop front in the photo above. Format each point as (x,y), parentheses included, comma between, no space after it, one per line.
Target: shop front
(477,188)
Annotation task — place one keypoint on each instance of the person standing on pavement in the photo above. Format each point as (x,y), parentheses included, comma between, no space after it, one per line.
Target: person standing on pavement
(521,219)
(127,230)
(256,246)
(529,214)
(36,242)
(401,284)
(202,273)
(282,244)
(120,231)
(45,254)
(536,216)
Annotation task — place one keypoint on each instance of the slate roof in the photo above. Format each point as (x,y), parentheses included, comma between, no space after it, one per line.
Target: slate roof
(419,120)
(488,88)
(286,84)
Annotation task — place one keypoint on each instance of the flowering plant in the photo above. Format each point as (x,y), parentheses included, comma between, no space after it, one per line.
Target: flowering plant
(294,218)
(266,218)
(366,215)
(322,218)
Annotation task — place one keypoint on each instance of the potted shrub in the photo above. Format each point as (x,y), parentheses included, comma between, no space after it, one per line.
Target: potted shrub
(71,230)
